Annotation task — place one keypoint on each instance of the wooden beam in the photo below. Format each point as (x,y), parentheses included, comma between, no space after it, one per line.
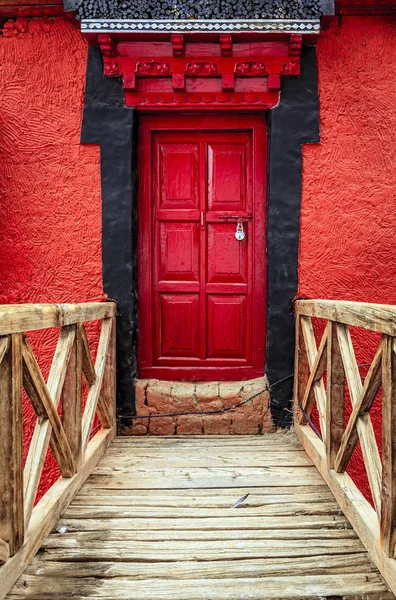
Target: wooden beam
(376,317)
(301,369)
(47,512)
(4,552)
(4,345)
(318,386)
(87,362)
(364,426)
(109,376)
(45,407)
(94,392)
(362,407)
(17,318)
(11,458)
(354,505)
(388,491)
(317,371)
(72,398)
(42,433)
(335,395)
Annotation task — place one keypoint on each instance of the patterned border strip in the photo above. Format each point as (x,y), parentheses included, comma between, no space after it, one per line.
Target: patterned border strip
(284,26)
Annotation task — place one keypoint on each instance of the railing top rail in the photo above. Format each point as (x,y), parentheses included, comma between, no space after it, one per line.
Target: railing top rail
(17,318)
(375,317)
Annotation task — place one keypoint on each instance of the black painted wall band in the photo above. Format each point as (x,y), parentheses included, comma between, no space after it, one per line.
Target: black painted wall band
(295,121)
(290,124)
(111,125)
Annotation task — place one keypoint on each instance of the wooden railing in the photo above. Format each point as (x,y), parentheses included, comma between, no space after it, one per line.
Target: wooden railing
(76,449)
(323,374)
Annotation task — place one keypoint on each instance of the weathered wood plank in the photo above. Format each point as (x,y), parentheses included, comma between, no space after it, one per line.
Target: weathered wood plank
(148,524)
(88,366)
(72,399)
(348,586)
(388,489)
(154,461)
(92,511)
(335,395)
(44,406)
(364,426)
(17,318)
(209,550)
(317,565)
(376,317)
(302,371)
(49,509)
(92,538)
(316,374)
(357,509)
(203,477)
(4,551)
(318,386)
(362,406)
(209,494)
(4,345)
(42,433)
(94,392)
(11,457)
(108,407)
(226,502)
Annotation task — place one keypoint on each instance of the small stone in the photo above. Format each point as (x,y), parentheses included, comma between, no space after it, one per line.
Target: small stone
(217,424)
(206,392)
(183,397)
(163,426)
(159,397)
(189,425)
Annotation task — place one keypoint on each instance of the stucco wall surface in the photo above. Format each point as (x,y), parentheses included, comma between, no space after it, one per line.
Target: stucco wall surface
(348,218)
(50,240)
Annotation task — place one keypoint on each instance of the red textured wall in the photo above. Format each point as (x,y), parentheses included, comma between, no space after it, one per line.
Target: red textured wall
(50,209)
(50,247)
(348,219)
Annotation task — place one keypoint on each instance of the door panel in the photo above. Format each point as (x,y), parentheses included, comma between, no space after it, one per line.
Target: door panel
(179,247)
(201,291)
(178,320)
(178,175)
(227,326)
(227,260)
(227,176)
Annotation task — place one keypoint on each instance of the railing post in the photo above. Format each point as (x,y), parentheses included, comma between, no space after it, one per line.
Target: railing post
(301,372)
(109,377)
(388,489)
(11,459)
(335,395)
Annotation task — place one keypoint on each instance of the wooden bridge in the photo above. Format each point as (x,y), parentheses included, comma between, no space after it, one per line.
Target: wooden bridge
(150,517)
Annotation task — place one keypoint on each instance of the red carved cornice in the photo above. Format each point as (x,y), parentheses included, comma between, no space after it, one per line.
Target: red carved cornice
(179,73)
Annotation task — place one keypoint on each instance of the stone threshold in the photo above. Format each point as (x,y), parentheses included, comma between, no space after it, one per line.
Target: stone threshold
(154,396)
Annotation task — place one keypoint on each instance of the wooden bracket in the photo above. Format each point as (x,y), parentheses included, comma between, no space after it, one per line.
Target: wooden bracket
(295,44)
(178,46)
(107,45)
(226,44)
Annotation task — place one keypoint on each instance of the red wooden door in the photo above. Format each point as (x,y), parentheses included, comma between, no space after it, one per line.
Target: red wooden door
(201,291)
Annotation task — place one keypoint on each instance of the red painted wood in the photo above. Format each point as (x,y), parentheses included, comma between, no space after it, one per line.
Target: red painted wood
(187,75)
(201,292)
(365,7)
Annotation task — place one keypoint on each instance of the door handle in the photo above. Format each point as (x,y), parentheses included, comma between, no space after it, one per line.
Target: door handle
(239,218)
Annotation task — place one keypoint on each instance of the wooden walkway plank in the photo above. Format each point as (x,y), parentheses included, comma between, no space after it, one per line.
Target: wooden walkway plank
(348,586)
(274,523)
(154,521)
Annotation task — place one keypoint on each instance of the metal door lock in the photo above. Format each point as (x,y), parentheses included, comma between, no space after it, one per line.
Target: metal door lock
(240,234)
